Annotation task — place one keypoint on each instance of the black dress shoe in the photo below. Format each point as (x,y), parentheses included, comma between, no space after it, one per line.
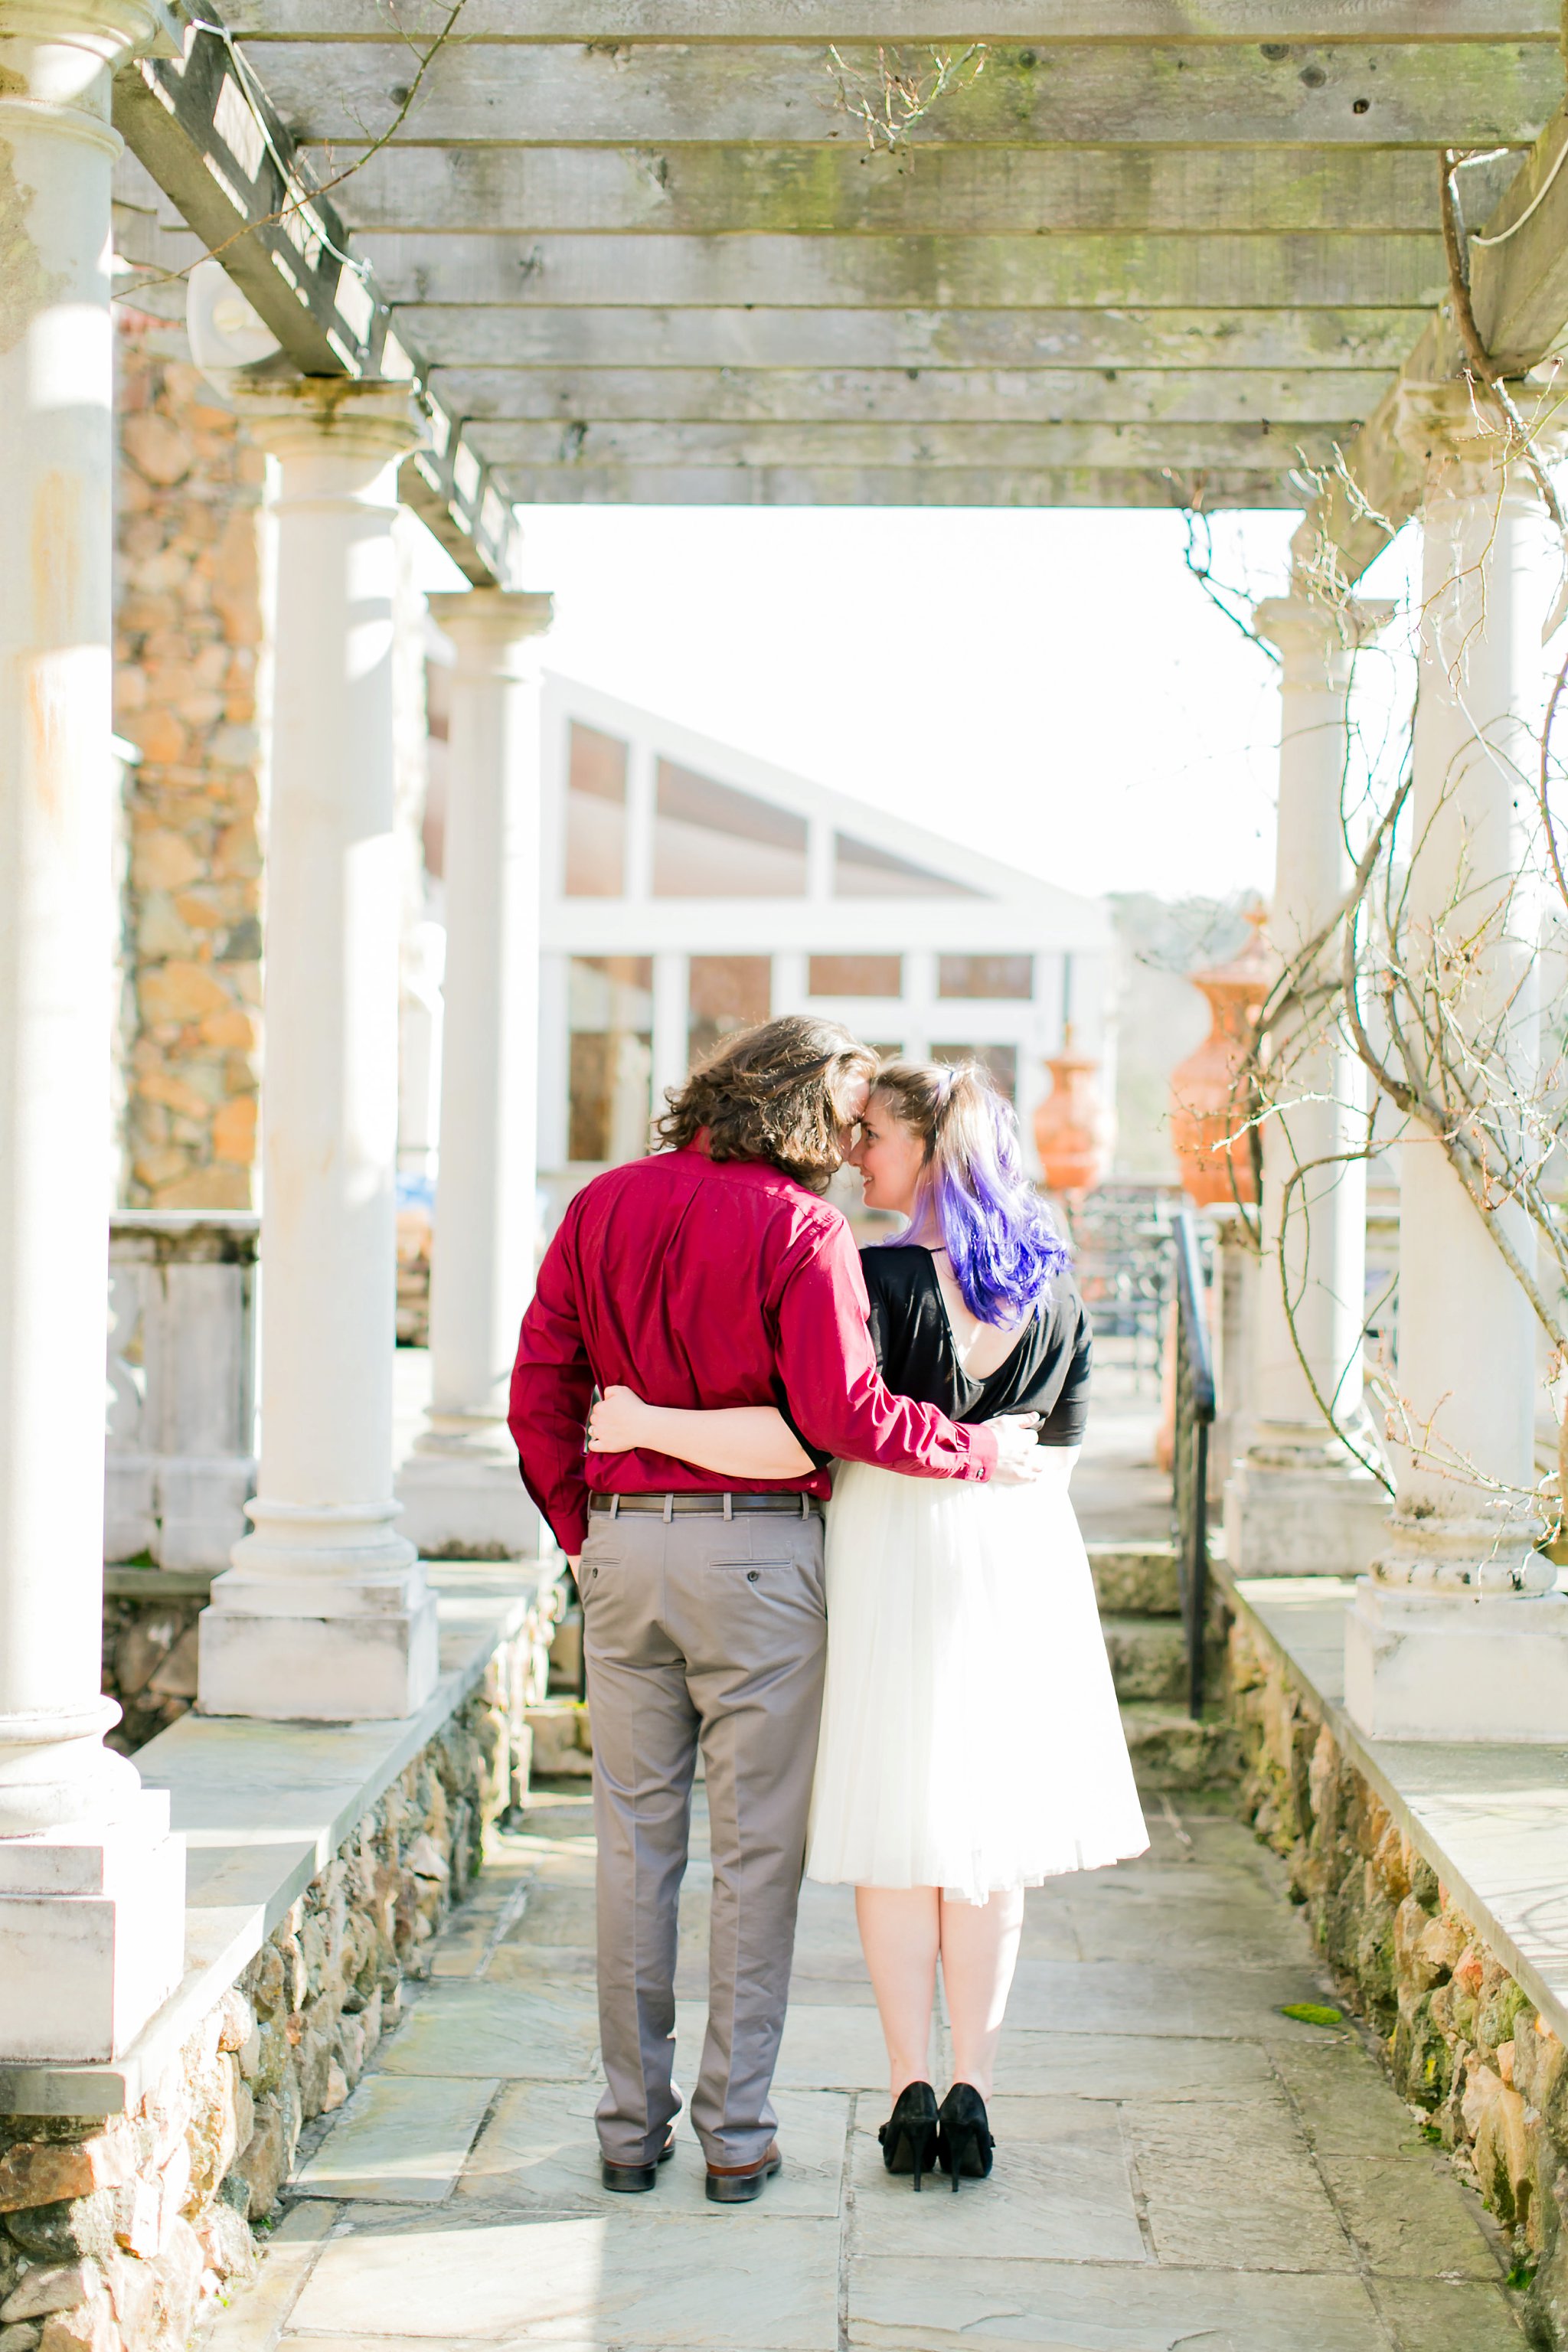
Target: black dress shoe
(909,2135)
(965,2143)
(631,2179)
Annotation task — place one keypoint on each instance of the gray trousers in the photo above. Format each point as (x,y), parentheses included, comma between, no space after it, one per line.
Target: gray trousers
(700,1628)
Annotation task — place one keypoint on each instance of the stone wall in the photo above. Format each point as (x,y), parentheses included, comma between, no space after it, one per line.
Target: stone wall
(188,641)
(1464,2042)
(121,2234)
(150,1652)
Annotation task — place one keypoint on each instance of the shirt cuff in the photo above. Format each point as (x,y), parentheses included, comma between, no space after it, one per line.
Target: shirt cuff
(984,1450)
(570,1532)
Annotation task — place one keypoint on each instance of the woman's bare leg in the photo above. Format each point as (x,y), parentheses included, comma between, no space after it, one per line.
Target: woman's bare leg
(899,1935)
(979,1954)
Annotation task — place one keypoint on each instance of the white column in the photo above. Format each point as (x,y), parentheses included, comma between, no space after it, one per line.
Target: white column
(1457,1633)
(1299,1503)
(324,1613)
(460,1492)
(92,1884)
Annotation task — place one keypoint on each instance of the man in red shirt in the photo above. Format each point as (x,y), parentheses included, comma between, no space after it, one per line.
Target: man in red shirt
(711,1273)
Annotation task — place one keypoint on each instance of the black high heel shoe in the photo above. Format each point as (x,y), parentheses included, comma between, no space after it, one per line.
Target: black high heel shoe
(965,2145)
(909,2135)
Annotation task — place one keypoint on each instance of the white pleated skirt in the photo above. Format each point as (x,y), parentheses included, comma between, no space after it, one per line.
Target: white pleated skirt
(970,1733)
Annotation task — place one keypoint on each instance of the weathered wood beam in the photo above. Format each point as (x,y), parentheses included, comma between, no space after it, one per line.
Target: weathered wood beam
(905,21)
(1000,449)
(946,191)
(915,486)
(894,273)
(848,338)
(908,396)
(1519,291)
(1463,94)
(206,132)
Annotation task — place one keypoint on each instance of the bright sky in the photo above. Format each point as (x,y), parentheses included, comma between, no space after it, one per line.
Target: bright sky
(1051,686)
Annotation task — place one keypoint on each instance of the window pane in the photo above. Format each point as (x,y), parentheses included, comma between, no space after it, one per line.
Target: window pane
(610,1013)
(727,993)
(985,975)
(712,842)
(596,814)
(857,975)
(1002,1061)
(860,870)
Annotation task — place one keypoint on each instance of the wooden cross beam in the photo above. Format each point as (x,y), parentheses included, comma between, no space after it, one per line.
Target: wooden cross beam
(201,124)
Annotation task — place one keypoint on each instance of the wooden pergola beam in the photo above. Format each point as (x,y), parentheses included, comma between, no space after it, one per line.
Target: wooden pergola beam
(1310,271)
(913,486)
(844,337)
(1519,291)
(948,191)
(884,448)
(905,21)
(1357,94)
(908,397)
(209,137)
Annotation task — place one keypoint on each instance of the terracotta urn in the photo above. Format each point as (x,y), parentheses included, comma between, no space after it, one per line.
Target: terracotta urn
(1071,1128)
(1205,1111)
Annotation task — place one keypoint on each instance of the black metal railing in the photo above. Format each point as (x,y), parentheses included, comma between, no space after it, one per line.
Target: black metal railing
(1195,1408)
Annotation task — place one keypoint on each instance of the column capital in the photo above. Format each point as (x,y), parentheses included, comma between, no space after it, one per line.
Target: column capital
(487,624)
(1452,423)
(33,33)
(1307,629)
(369,423)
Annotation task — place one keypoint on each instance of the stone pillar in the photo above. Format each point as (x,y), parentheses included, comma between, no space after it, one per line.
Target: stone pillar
(324,1613)
(1456,1633)
(92,1883)
(1299,1503)
(460,1491)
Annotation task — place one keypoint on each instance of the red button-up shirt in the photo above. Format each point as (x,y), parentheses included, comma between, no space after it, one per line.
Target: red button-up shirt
(702,1283)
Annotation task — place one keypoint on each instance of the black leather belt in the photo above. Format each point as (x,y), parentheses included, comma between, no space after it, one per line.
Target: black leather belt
(723,1507)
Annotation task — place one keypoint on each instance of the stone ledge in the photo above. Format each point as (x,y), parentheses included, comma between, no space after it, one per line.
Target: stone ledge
(265,1807)
(1491,1821)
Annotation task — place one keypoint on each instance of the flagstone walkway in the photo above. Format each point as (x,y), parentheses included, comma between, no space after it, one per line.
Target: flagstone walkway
(1179,2165)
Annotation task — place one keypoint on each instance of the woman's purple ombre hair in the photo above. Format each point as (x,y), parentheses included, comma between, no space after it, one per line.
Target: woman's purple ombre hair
(993,1226)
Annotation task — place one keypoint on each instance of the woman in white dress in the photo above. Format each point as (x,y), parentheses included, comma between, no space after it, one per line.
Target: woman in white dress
(971,1744)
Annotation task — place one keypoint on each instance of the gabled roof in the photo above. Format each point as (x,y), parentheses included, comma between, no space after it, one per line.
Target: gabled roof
(1063,917)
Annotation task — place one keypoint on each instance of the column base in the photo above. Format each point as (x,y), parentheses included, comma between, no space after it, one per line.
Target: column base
(93,1933)
(461,1499)
(1302,1511)
(325,1617)
(1456,1665)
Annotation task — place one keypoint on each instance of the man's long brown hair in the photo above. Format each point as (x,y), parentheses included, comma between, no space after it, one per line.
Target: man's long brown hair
(776,1092)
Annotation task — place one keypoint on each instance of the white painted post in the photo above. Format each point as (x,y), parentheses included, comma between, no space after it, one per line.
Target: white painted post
(460,1491)
(92,1883)
(642,777)
(1456,1633)
(324,1613)
(1298,1502)
(672,1024)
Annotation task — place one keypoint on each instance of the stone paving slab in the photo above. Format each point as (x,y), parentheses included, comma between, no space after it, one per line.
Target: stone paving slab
(1234,2189)
(1099,1997)
(646,2274)
(542,2030)
(401,2139)
(1180,2168)
(1010,2307)
(1062,2192)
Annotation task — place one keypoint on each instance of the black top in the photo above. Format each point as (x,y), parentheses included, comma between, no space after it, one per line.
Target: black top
(1048,1371)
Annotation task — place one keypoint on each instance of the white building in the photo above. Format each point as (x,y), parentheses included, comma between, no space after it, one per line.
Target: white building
(689,889)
